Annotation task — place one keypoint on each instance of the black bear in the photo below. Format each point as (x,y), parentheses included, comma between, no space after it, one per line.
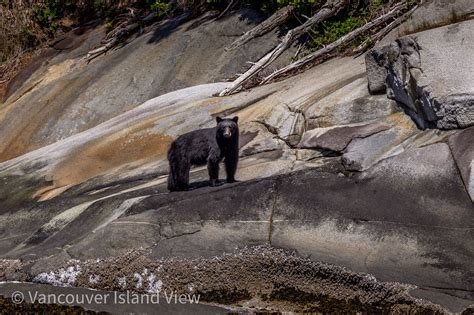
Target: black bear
(204,146)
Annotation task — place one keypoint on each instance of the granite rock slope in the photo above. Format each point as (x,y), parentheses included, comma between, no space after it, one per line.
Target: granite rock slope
(327,170)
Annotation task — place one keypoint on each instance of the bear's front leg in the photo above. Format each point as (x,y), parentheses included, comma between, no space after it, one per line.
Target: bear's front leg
(230,162)
(213,169)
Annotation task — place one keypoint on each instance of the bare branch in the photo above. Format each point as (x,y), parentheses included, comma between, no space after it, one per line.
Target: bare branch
(278,18)
(232,3)
(383,32)
(329,48)
(330,9)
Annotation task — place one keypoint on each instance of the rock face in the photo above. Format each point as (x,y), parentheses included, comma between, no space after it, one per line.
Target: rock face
(432,13)
(337,138)
(134,144)
(65,95)
(407,219)
(416,71)
(461,145)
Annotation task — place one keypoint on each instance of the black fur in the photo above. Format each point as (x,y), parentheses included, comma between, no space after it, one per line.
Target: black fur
(204,146)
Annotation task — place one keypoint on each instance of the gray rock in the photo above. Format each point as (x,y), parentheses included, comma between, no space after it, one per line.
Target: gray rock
(462,147)
(427,137)
(436,91)
(406,219)
(349,104)
(369,222)
(376,72)
(337,138)
(361,153)
(431,13)
(396,221)
(286,124)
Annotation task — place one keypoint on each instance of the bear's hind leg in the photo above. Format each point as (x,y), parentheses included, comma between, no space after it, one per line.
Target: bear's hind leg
(178,178)
(183,175)
(172,178)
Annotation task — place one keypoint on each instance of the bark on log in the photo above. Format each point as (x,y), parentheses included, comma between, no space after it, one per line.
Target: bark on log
(331,8)
(277,18)
(329,48)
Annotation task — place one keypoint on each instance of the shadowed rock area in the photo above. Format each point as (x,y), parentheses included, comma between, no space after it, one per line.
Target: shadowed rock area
(346,200)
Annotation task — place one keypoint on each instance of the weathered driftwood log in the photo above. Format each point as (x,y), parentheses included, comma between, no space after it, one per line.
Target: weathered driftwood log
(329,48)
(277,18)
(331,8)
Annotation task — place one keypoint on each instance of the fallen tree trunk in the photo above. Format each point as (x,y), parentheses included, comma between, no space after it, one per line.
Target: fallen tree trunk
(331,8)
(329,48)
(278,18)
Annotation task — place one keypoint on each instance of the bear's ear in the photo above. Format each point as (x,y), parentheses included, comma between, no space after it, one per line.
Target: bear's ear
(218,119)
(235,119)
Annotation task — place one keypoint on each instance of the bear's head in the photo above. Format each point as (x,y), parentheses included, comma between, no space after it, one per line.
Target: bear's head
(227,128)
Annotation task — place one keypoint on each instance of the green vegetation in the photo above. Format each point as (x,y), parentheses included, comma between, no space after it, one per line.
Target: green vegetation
(336,27)
(301,6)
(160,7)
(332,30)
(49,11)
(269,6)
(25,24)
(46,12)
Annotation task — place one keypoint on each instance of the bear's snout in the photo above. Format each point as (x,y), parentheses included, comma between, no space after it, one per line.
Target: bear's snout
(227,132)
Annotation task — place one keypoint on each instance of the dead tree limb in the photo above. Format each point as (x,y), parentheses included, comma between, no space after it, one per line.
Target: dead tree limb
(112,42)
(277,18)
(329,48)
(383,32)
(231,5)
(331,8)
